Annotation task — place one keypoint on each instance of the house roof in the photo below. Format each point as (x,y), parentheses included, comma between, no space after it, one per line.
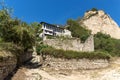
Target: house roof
(52,25)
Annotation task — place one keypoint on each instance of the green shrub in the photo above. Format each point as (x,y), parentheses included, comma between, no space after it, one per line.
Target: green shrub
(6,46)
(77,30)
(59,53)
(50,37)
(94,9)
(40,47)
(104,42)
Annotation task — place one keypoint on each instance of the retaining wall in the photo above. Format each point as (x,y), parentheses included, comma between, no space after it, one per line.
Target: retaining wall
(71,44)
(58,63)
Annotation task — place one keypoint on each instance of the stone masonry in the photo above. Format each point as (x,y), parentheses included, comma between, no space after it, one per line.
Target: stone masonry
(73,64)
(72,44)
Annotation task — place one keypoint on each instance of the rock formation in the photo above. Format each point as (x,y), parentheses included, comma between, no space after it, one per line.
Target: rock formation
(99,21)
(8,62)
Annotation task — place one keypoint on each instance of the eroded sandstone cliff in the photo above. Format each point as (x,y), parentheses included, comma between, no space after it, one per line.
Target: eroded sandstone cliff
(99,21)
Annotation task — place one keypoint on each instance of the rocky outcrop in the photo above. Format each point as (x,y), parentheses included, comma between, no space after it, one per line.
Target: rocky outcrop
(71,44)
(23,57)
(8,62)
(73,64)
(99,21)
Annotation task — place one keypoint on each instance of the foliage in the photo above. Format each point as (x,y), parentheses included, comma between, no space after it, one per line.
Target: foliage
(77,30)
(36,27)
(40,47)
(94,9)
(23,36)
(59,53)
(15,31)
(6,46)
(106,43)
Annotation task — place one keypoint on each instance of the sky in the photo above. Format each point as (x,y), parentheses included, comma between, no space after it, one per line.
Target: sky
(59,11)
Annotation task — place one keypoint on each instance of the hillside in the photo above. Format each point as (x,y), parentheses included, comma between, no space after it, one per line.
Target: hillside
(99,21)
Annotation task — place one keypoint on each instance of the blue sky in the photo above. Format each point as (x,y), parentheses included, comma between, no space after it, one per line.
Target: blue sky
(58,11)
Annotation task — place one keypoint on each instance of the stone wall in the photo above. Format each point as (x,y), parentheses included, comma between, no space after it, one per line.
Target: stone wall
(72,44)
(89,44)
(58,63)
(8,62)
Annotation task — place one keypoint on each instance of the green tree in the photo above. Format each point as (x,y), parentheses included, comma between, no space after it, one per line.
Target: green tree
(23,36)
(104,42)
(77,30)
(15,31)
(36,30)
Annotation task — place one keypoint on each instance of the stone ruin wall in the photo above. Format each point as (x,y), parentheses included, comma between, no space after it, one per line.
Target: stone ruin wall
(72,44)
(73,64)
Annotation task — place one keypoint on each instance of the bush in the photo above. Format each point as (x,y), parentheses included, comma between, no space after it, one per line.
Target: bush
(77,30)
(40,47)
(94,9)
(59,53)
(104,42)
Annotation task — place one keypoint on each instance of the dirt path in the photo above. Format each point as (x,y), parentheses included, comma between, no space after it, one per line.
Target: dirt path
(110,73)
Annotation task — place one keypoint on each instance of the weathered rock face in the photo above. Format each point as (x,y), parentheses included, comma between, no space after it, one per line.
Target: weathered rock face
(59,63)
(24,57)
(8,62)
(72,44)
(99,21)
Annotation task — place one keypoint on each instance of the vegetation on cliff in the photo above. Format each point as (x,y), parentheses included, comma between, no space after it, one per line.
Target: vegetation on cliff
(15,31)
(105,43)
(77,30)
(16,36)
(22,36)
(69,54)
(59,53)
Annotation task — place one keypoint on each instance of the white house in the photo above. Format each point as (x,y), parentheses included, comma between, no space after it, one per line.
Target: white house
(53,30)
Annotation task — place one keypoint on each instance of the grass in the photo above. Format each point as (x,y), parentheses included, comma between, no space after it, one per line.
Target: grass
(4,49)
(9,50)
(59,53)
(4,55)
